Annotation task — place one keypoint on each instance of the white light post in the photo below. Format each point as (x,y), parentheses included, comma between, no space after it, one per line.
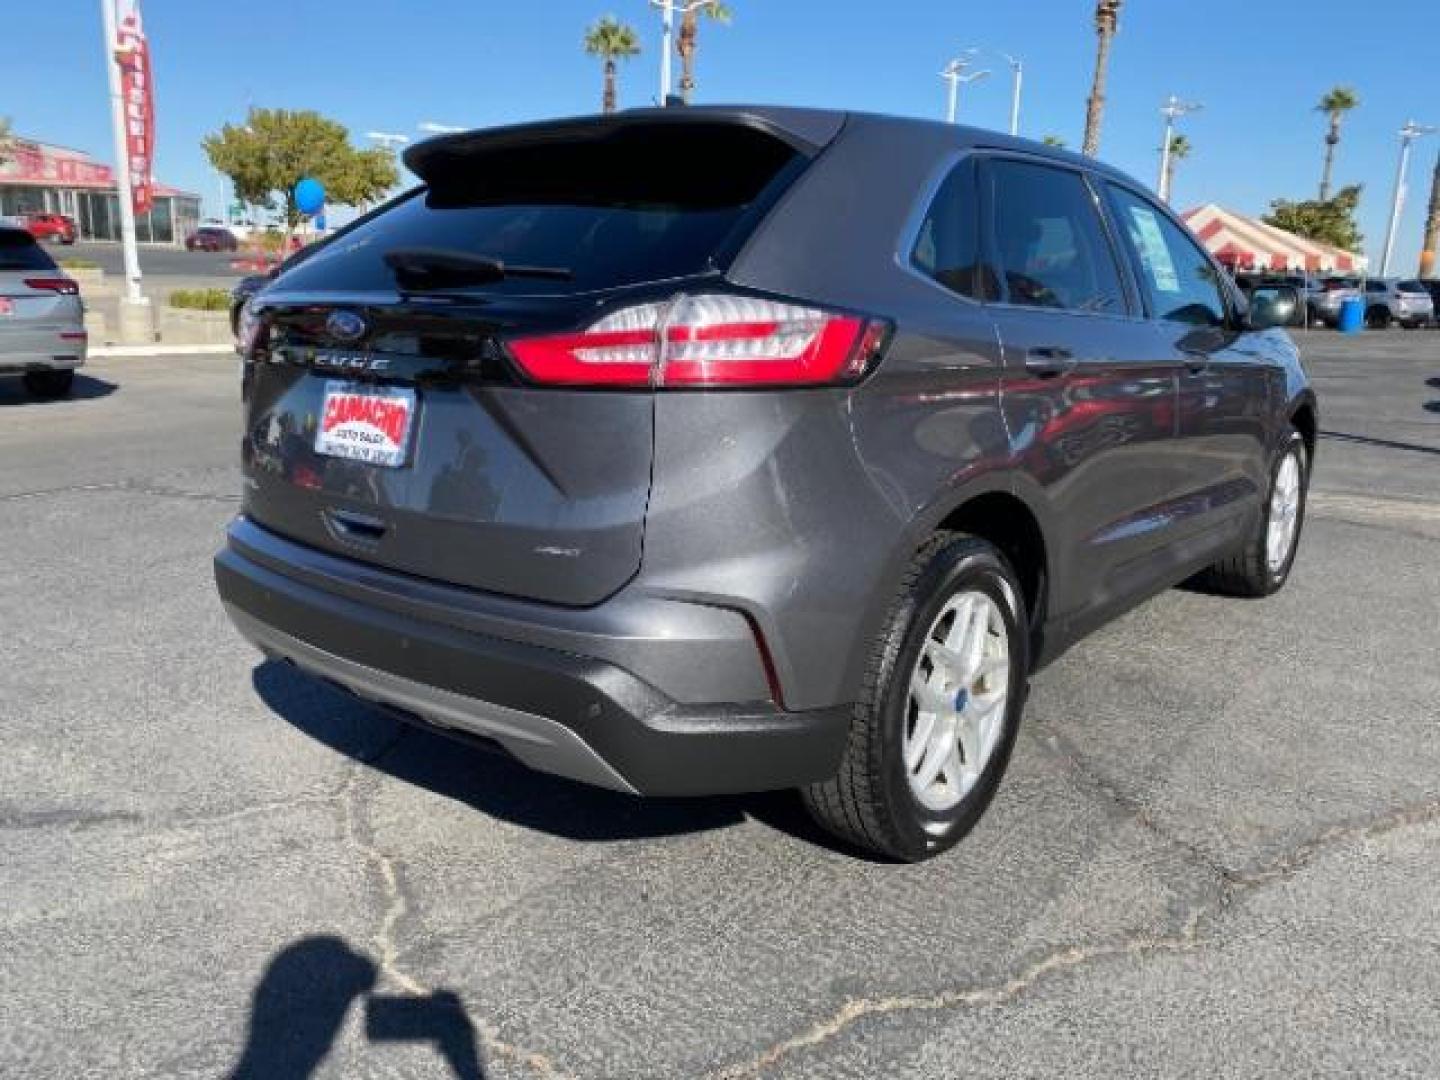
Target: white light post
(1171,110)
(134,313)
(954,74)
(1408,134)
(1017,76)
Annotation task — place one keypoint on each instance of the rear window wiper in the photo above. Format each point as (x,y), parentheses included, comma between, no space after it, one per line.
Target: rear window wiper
(441,268)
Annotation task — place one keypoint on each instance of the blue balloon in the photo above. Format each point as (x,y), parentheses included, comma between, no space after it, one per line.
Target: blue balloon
(309,195)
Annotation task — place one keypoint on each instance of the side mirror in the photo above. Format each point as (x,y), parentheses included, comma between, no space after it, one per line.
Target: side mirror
(1273,305)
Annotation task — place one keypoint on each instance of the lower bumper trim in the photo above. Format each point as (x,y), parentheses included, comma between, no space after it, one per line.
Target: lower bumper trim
(536,741)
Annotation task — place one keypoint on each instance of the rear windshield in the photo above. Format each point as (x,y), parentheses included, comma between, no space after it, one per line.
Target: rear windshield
(642,204)
(1412,287)
(19,251)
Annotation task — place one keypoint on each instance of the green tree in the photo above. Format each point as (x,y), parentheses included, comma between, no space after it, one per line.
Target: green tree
(1179,150)
(5,138)
(688,40)
(1055,141)
(275,149)
(1107,24)
(611,40)
(1330,221)
(1339,101)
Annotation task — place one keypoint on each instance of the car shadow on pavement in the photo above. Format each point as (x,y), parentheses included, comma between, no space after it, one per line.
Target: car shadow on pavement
(495,784)
(305,994)
(85,388)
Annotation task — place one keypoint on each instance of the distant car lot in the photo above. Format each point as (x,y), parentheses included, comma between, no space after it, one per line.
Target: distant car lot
(158,260)
(210,860)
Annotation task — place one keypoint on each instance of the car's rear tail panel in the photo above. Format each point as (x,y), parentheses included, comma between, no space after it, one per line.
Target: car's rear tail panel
(387,419)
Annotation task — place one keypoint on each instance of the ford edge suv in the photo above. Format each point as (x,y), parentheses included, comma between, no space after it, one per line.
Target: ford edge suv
(689,451)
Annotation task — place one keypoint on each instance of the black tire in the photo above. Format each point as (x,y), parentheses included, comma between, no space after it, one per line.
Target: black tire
(1247,572)
(49,384)
(869,802)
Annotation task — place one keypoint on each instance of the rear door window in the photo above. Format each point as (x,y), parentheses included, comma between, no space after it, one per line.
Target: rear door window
(947,246)
(1180,282)
(19,251)
(1050,245)
(638,205)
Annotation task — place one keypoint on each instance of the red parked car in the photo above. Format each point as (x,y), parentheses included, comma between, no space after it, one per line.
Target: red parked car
(211,238)
(44,226)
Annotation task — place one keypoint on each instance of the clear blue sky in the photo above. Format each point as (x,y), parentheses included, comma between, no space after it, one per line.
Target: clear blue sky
(390,64)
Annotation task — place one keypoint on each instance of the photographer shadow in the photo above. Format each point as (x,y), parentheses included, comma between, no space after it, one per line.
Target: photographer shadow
(307,991)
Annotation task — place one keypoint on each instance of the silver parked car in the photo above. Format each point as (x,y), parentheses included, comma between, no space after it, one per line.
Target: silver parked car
(42,319)
(1405,302)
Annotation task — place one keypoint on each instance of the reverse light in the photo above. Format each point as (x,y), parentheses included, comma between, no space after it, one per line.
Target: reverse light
(712,339)
(63,285)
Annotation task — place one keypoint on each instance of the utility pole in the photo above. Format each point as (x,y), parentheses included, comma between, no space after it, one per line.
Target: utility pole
(135,322)
(954,74)
(1017,76)
(1408,134)
(1171,110)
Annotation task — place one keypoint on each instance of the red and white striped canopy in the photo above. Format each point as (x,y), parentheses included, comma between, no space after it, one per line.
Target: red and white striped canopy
(1246,243)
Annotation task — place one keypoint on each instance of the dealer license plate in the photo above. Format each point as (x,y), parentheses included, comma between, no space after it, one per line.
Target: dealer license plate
(366,423)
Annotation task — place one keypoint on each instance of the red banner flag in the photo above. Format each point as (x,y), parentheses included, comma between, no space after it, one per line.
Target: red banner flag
(137,91)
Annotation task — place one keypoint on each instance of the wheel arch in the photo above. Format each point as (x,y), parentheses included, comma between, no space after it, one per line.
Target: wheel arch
(1305,419)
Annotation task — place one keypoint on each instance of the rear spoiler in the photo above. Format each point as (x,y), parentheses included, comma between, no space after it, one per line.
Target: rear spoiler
(806,131)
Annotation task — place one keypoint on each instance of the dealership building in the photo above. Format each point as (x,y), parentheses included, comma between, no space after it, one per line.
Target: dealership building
(53,179)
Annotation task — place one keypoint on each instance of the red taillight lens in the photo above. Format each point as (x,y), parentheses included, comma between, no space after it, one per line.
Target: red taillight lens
(707,340)
(63,285)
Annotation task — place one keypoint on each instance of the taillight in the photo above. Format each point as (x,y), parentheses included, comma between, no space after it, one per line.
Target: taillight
(63,285)
(713,339)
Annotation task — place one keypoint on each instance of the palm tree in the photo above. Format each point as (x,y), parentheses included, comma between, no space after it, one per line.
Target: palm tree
(688,38)
(1179,149)
(1432,226)
(1107,22)
(1334,105)
(611,40)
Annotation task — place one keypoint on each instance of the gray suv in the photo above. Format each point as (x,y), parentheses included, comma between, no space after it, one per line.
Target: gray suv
(42,320)
(707,450)
(1405,302)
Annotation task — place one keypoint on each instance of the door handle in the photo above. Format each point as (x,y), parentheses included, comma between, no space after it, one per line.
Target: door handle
(1196,362)
(1048,361)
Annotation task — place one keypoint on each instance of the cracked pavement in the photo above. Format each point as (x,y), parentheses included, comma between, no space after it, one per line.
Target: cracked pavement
(1216,851)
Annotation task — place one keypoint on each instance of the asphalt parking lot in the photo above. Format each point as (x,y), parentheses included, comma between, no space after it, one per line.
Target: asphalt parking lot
(1217,851)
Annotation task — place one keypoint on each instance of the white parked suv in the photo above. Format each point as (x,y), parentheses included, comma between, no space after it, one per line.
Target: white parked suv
(42,319)
(1405,302)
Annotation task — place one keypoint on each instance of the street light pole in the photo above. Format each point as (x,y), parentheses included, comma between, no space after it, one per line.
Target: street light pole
(133,295)
(1017,76)
(1408,134)
(954,74)
(667,44)
(1171,110)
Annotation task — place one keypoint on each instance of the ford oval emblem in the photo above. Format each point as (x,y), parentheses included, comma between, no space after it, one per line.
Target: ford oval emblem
(345,326)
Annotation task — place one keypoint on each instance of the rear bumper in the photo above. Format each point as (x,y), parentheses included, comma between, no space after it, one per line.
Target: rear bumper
(558,711)
(17,363)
